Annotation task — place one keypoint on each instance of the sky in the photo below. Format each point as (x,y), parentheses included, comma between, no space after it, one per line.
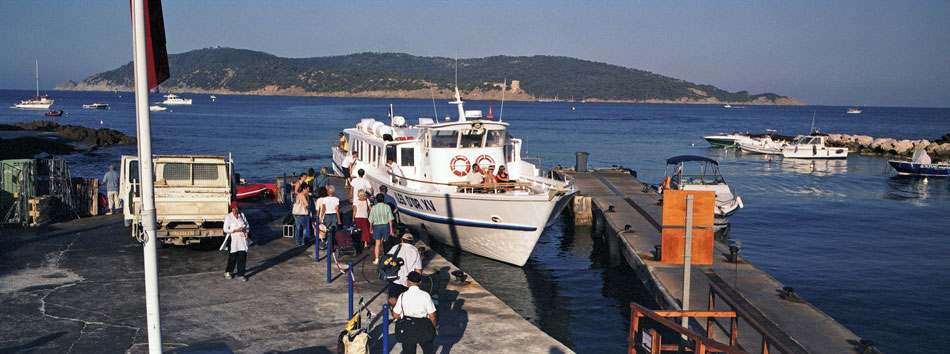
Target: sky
(847,53)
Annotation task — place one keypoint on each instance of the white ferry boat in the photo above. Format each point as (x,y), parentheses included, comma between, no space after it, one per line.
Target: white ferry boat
(174,99)
(501,221)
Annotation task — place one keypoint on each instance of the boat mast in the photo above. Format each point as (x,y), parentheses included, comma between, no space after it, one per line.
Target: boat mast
(37,78)
(458,98)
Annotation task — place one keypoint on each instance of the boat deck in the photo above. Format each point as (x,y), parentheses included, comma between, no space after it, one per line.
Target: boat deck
(801,327)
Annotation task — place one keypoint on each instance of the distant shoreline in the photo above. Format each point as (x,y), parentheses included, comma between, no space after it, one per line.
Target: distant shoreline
(477,95)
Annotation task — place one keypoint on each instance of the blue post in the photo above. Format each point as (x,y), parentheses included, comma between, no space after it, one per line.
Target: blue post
(386,328)
(285,188)
(329,255)
(349,274)
(309,234)
(316,247)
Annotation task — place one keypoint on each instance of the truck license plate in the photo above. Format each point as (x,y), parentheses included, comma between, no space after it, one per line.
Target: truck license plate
(182,233)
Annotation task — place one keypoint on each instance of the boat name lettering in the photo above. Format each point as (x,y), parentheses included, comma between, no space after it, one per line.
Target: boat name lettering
(418,203)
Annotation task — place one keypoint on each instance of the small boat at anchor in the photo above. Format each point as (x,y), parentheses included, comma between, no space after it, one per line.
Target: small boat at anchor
(853,111)
(697,173)
(55,113)
(763,145)
(156,108)
(813,147)
(37,102)
(96,106)
(173,99)
(921,165)
(726,140)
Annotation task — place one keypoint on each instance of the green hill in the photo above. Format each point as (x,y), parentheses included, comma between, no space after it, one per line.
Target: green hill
(229,70)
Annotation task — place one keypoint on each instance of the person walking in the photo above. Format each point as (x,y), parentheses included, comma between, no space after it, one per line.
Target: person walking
(389,200)
(345,165)
(301,211)
(381,216)
(416,308)
(322,180)
(238,230)
(361,217)
(359,183)
(412,262)
(330,211)
(111,180)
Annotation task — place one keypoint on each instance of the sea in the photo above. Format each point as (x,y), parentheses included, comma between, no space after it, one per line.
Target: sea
(866,246)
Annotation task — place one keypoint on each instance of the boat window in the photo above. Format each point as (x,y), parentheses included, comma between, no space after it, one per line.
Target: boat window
(133,171)
(495,138)
(472,138)
(391,153)
(444,138)
(408,157)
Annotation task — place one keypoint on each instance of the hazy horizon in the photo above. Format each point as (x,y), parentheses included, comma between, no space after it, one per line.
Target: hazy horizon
(873,53)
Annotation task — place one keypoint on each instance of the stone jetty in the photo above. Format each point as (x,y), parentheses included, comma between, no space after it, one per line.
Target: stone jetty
(864,144)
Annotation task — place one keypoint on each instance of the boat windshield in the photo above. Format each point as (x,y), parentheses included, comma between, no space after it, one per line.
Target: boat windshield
(472,138)
(496,138)
(444,138)
(702,179)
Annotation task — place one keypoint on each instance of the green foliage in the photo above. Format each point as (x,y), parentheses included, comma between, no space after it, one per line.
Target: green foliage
(541,76)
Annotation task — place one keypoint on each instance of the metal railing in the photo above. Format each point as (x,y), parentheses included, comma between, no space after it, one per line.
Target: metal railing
(649,340)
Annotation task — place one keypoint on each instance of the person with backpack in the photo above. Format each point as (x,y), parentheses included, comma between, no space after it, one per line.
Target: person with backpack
(412,262)
(381,216)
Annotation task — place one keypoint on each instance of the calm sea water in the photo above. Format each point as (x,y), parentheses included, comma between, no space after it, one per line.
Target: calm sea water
(867,247)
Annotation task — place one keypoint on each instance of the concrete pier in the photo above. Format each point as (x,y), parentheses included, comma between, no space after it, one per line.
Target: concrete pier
(629,216)
(78,286)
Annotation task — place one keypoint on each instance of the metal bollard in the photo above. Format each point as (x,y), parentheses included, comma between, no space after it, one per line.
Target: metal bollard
(329,255)
(386,328)
(349,274)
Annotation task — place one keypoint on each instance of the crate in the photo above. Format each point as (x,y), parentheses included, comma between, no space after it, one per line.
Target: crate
(288,230)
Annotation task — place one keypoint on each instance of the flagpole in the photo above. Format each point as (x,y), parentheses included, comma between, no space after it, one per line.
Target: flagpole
(143,125)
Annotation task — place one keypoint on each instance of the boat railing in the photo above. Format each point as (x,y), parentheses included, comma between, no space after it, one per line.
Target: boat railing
(465,187)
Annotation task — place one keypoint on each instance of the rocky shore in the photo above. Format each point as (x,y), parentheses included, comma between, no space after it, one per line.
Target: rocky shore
(25,147)
(863,144)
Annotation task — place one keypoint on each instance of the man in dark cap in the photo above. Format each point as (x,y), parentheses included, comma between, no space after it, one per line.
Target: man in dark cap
(412,262)
(417,308)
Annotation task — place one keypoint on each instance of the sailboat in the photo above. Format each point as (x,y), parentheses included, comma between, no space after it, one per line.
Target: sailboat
(37,102)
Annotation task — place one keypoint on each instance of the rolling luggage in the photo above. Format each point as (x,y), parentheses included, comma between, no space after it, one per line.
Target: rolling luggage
(343,242)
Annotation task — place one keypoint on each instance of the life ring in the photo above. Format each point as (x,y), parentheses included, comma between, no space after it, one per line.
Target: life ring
(460,169)
(491,161)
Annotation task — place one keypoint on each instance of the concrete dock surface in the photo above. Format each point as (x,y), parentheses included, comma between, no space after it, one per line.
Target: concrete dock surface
(78,287)
(800,326)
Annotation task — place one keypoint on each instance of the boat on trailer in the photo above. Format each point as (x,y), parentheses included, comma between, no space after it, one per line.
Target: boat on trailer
(497,220)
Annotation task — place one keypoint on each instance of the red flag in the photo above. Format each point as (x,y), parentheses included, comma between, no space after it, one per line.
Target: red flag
(155,52)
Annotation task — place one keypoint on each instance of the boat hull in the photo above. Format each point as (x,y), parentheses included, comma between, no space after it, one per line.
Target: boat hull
(920,169)
(810,153)
(33,105)
(721,142)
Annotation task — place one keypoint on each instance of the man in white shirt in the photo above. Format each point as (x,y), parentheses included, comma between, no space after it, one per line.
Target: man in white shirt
(345,166)
(396,171)
(417,308)
(475,176)
(360,183)
(412,262)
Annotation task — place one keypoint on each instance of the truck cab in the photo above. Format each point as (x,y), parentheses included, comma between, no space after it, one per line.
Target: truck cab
(192,196)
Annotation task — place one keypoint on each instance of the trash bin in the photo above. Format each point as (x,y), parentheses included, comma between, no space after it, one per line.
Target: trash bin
(581,162)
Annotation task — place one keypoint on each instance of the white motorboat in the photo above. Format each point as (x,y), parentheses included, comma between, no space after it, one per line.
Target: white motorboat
(501,221)
(853,111)
(697,173)
(762,145)
(96,106)
(727,106)
(813,147)
(156,108)
(726,140)
(37,102)
(173,99)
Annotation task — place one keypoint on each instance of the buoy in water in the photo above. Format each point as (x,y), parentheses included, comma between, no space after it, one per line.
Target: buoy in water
(100,122)
(573,108)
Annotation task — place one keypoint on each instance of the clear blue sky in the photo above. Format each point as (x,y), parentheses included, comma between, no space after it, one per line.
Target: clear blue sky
(877,53)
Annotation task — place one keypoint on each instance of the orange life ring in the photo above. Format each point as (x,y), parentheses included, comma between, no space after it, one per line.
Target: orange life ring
(491,161)
(460,169)
(666,183)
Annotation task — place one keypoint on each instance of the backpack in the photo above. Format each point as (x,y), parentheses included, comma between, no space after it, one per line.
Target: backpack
(388,267)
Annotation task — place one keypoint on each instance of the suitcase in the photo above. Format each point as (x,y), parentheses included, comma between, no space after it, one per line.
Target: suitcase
(343,242)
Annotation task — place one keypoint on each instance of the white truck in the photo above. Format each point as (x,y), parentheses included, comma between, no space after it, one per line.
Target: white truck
(192,196)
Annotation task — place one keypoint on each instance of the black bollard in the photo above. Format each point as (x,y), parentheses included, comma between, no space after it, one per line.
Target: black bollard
(657,255)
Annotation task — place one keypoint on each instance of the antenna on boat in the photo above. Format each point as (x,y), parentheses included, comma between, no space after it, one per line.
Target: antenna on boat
(433,104)
(458,97)
(504,88)
(37,77)
(813,131)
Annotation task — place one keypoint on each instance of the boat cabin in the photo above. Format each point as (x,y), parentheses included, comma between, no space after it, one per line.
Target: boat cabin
(692,170)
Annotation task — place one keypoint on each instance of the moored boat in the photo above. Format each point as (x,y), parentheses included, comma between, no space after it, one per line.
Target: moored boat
(157,108)
(762,145)
(252,190)
(37,102)
(813,147)
(853,111)
(726,140)
(173,99)
(697,173)
(920,165)
(55,113)
(497,220)
(96,106)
